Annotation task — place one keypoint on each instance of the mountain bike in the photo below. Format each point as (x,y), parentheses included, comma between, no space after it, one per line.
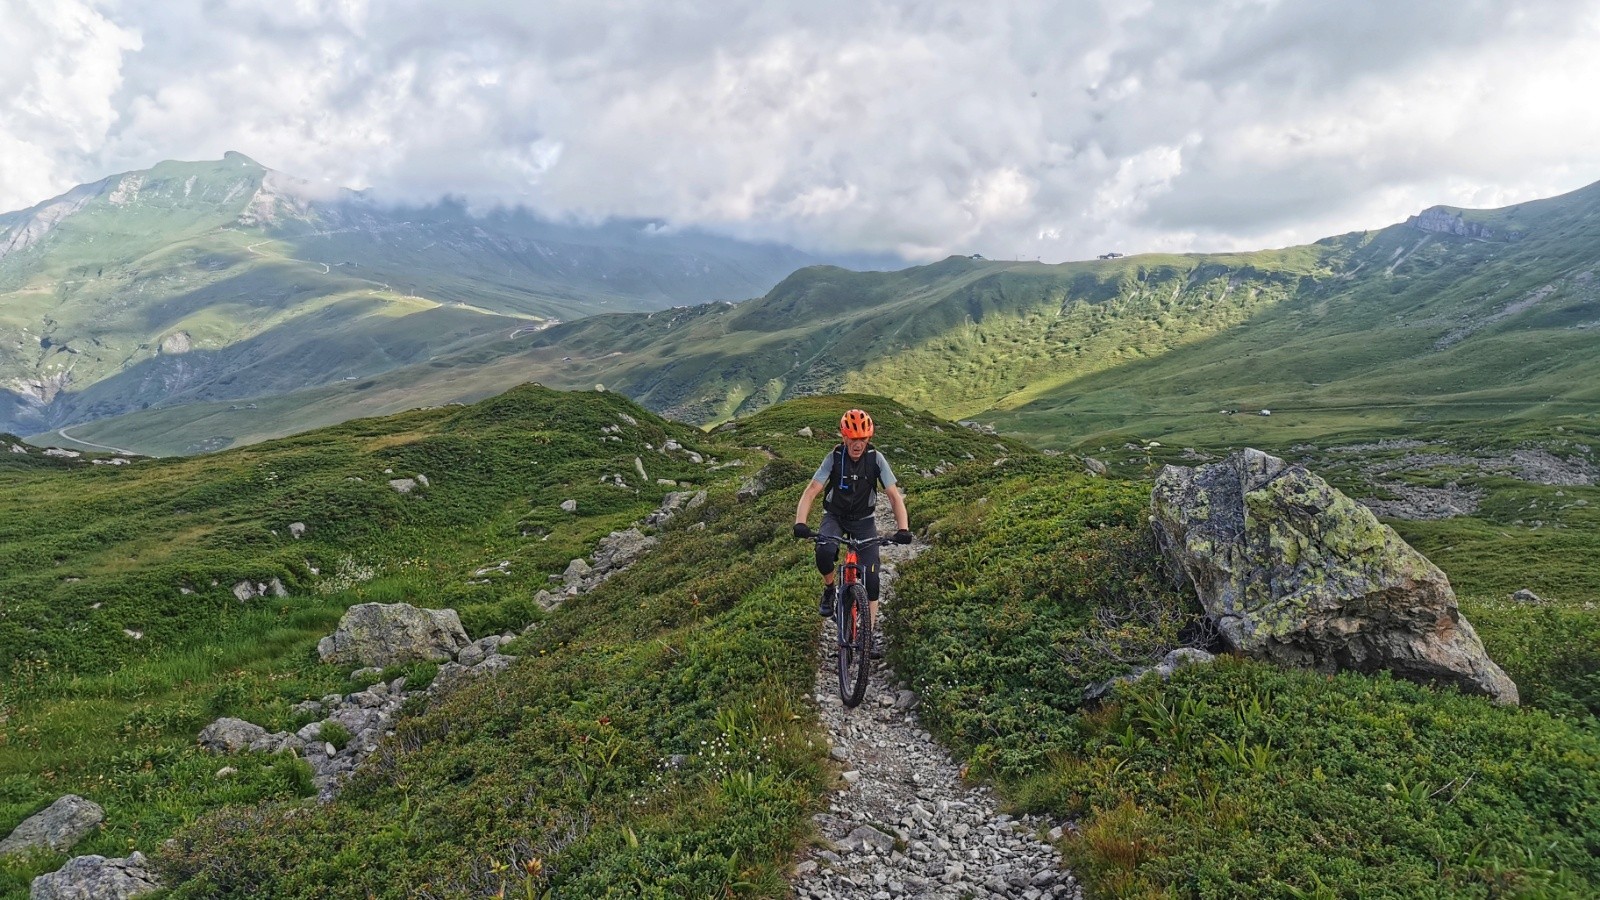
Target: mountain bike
(852,616)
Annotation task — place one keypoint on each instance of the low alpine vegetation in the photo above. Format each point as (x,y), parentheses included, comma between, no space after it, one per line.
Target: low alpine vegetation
(1233,778)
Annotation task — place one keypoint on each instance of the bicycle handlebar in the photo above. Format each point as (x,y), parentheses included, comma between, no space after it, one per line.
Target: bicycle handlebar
(857,543)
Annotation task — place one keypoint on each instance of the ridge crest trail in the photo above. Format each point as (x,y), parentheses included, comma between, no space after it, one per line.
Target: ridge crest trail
(904,824)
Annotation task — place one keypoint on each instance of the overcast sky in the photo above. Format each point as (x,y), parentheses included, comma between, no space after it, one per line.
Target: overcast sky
(1012,128)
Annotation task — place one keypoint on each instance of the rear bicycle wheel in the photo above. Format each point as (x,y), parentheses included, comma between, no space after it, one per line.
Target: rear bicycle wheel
(855,644)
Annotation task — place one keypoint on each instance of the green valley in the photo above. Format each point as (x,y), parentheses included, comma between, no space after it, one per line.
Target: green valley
(1412,324)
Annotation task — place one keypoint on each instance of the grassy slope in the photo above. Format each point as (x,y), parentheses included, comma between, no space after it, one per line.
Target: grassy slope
(1240,779)
(107,284)
(813,333)
(1415,328)
(188,251)
(90,707)
(708,641)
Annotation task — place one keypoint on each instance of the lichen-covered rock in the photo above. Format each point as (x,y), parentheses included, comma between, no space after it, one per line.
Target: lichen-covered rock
(58,826)
(391,634)
(97,878)
(1295,572)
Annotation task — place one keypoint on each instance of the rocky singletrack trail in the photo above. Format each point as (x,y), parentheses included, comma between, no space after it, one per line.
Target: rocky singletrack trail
(903,823)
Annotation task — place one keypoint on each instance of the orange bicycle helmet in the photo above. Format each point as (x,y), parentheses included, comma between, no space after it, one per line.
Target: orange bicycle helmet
(855,425)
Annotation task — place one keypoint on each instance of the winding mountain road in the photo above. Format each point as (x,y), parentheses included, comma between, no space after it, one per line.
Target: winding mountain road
(118,450)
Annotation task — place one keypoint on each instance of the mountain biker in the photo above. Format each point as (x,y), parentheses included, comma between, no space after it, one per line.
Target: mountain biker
(851,474)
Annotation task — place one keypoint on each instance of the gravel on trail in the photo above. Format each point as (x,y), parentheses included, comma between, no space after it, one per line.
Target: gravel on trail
(902,822)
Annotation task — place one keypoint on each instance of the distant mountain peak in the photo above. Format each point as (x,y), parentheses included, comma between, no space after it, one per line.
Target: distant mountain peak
(236,156)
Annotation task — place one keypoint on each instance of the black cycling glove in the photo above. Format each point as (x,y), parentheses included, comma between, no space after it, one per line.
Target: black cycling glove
(903,536)
(802,530)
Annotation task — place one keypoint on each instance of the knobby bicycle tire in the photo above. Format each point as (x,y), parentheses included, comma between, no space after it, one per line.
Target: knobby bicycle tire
(855,647)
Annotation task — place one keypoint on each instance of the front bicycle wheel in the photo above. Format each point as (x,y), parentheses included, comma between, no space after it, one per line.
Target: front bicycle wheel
(855,645)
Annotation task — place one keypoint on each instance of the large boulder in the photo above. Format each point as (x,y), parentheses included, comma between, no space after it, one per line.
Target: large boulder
(389,634)
(58,826)
(1295,572)
(97,878)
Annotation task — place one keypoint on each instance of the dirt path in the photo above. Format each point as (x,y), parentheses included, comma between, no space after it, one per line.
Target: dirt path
(904,824)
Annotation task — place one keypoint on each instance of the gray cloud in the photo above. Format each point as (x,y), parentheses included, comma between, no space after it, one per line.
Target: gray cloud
(1019,128)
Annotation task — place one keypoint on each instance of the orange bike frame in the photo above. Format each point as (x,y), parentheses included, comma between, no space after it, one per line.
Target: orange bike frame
(851,566)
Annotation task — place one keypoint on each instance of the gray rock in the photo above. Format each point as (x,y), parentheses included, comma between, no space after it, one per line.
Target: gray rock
(867,836)
(389,634)
(569,505)
(97,878)
(479,650)
(1184,656)
(757,484)
(1295,572)
(277,742)
(57,827)
(403,485)
(297,530)
(229,735)
(576,571)
(1526,596)
(453,675)
(621,548)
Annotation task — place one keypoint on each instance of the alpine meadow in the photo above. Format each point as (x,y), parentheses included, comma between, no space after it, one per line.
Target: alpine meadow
(578,452)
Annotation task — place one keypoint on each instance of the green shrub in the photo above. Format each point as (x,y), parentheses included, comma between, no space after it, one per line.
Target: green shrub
(335,733)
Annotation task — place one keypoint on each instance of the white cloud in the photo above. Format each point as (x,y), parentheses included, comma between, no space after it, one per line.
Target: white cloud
(60,64)
(1022,127)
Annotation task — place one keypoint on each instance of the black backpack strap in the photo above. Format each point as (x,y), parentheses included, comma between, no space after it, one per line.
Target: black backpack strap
(834,476)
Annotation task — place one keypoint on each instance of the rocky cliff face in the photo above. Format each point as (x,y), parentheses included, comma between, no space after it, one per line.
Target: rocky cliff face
(21,230)
(1443,220)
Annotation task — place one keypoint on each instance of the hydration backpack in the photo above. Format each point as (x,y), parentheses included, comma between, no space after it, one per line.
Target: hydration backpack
(851,493)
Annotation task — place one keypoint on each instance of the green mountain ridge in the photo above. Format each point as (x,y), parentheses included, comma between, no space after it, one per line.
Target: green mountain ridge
(1411,323)
(142,268)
